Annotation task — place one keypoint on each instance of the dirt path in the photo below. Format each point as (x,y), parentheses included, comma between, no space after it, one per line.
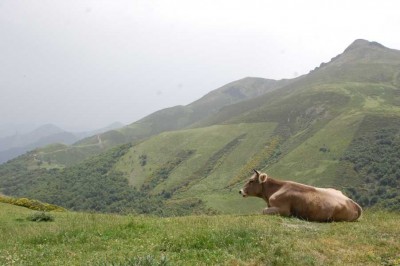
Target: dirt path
(99,143)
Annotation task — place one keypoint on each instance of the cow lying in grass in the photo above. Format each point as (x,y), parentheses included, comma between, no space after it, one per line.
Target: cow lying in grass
(306,202)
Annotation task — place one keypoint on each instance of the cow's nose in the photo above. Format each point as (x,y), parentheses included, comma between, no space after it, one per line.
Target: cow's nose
(240,191)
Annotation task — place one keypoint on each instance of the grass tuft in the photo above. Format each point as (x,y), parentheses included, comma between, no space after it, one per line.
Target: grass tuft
(40,217)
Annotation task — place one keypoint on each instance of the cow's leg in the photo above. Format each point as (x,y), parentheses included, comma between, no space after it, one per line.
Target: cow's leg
(271,211)
(276,211)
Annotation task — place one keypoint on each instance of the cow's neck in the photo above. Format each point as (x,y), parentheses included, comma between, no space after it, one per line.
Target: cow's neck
(270,187)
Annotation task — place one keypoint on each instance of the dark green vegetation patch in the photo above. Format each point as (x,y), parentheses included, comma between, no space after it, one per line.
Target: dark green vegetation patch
(374,158)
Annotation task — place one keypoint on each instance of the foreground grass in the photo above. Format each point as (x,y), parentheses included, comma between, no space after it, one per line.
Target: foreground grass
(98,239)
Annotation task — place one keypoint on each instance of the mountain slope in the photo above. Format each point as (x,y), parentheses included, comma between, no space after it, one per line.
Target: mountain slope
(179,117)
(168,119)
(362,64)
(337,126)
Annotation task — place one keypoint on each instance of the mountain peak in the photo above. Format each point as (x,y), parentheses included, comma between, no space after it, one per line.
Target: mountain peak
(365,52)
(361,43)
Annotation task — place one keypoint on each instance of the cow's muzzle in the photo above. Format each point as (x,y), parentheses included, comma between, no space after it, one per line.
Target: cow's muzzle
(241,192)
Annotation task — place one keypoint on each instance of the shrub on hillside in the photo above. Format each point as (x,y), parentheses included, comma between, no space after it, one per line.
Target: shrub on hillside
(31,204)
(40,217)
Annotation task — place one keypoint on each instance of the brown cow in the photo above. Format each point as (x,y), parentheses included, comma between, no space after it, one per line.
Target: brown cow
(288,198)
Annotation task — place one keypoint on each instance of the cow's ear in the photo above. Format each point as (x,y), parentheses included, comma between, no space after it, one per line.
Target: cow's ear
(257,173)
(262,178)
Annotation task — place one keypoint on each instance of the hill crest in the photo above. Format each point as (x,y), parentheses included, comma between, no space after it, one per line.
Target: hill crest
(361,43)
(363,51)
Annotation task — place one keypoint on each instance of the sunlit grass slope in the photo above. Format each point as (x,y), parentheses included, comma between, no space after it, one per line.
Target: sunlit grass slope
(217,154)
(100,239)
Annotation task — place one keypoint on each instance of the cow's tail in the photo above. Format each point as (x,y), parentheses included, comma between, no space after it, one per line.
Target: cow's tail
(359,210)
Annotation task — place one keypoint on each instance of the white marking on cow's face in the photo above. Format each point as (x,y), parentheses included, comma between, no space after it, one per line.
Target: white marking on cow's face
(243,193)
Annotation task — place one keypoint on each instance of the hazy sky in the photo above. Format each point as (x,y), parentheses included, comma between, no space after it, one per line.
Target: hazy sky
(84,64)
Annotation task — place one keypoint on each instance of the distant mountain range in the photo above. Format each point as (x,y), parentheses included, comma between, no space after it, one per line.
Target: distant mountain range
(337,126)
(9,129)
(17,144)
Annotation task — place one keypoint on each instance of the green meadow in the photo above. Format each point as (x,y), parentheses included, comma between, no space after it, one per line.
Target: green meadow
(103,239)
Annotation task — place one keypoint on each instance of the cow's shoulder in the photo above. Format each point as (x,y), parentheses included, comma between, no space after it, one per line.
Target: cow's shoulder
(291,190)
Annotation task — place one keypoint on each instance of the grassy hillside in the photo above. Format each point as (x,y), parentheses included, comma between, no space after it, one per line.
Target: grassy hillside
(100,239)
(327,115)
(167,119)
(200,163)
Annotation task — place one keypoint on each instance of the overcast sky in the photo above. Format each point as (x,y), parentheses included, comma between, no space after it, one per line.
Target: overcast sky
(85,64)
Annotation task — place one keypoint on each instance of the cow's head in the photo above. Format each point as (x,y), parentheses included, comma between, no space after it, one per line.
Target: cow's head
(254,186)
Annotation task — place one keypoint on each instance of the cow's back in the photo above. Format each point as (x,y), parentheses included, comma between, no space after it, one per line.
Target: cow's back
(317,204)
